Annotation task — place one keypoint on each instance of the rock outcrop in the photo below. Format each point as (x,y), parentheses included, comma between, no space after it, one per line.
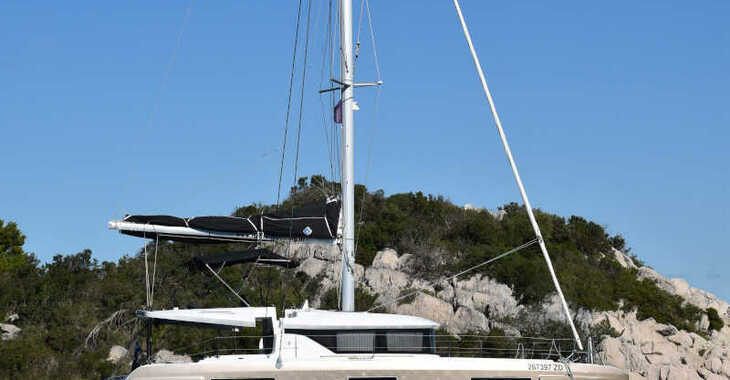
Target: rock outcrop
(9,330)
(477,303)
(469,305)
(657,351)
(680,287)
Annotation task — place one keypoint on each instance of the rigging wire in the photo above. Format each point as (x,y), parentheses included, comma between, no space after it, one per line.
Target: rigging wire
(453,277)
(335,131)
(288,104)
(299,129)
(371,142)
(154,271)
(166,74)
(301,99)
(367,170)
(146,270)
(372,38)
(170,62)
(326,43)
(359,27)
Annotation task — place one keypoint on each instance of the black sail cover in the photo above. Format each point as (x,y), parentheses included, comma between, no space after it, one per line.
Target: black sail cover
(314,221)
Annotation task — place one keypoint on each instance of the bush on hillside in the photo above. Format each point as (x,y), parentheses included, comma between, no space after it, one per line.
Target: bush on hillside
(716,322)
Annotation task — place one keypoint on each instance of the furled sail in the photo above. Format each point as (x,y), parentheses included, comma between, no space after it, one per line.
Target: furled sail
(310,222)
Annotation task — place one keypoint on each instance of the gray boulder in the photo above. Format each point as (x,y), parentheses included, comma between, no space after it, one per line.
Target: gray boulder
(623,259)
(485,294)
(387,259)
(386,282)
(467,319)
(167,356)
(9,331)
(312,266)
(116,354)
(428,307)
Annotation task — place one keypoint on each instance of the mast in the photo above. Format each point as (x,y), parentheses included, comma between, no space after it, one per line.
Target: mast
(512,163)
(347,69)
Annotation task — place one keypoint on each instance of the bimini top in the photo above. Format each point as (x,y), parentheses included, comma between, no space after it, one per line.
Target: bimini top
(316,221)
(215,318)
(339,320)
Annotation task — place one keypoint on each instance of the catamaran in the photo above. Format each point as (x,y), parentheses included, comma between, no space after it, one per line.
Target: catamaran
(340,345)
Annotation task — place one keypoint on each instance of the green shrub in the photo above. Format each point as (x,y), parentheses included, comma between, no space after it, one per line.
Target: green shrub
(716,322)
(603,328)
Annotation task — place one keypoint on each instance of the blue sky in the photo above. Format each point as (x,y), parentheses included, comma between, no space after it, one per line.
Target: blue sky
(616,111)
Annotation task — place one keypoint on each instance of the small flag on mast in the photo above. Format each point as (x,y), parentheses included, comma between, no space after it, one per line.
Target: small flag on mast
(338,112)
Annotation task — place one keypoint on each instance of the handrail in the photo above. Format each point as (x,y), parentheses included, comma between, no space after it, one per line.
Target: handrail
(468,345)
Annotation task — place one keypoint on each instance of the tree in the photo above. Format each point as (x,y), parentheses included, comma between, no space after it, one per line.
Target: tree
(11,246)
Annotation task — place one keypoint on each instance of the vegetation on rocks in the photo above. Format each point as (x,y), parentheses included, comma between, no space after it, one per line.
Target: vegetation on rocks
(447,238)
(716,322)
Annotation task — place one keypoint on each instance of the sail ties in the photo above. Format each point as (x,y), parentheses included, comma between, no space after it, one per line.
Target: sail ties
(453,277)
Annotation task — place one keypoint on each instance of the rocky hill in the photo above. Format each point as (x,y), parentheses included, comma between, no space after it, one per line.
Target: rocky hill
(73,317)
(478,304)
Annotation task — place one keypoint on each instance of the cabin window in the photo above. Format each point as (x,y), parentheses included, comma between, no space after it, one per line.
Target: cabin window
(372,341)
(397,341)
(356,342)
(500,378)
(373,378)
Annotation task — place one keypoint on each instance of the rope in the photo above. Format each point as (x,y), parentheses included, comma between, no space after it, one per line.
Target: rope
(146,270)
(301,96)
(359,27)
(511,251)
(333,98)
(372,38)
(301,109)
(326,45)
(166,75)
(367,169)
(226,285)
(371,142)
(171,62)
(288,103)
(154,271)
